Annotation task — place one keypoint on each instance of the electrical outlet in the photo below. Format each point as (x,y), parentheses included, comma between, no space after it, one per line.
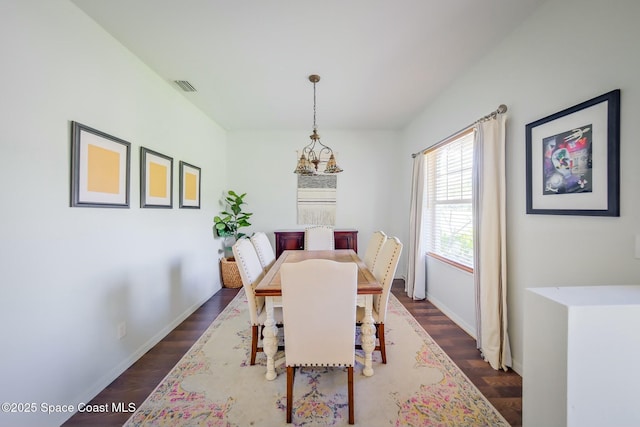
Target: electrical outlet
(122,330)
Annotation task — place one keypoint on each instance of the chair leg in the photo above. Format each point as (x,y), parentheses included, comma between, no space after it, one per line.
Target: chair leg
(383,349)
(290,374)
(254,343)
(350,393)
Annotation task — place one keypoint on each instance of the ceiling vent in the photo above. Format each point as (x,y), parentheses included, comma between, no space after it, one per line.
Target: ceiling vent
(185,85)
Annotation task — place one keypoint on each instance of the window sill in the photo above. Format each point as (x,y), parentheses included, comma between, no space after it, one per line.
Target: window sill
(450,262)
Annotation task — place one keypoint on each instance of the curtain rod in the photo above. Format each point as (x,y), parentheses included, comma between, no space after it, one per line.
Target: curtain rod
(501,109)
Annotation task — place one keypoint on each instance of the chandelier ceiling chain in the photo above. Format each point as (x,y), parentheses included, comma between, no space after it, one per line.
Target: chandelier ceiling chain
(310,159)
(315,127)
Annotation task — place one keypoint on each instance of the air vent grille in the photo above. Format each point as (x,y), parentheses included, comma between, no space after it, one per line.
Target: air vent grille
(185,85)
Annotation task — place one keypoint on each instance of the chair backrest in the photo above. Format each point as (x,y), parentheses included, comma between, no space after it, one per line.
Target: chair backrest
(319,238)
(373,249)
(319,311)
(384,271)
(265,252)
(251,272)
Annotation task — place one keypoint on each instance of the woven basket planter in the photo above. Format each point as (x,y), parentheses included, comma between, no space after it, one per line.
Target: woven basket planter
(230,273)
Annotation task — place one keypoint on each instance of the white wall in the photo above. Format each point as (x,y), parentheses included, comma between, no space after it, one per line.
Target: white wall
(261,164)
(451,289)
(69,276)
(569,51)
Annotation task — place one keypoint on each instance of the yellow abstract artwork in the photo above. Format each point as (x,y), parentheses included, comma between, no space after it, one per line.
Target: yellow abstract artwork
(157,180)
(190,186)
(103,171)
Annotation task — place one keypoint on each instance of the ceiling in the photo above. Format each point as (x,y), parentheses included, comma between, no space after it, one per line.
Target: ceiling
(380,61)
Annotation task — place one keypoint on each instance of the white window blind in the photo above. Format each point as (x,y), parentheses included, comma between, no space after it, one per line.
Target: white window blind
(448,220)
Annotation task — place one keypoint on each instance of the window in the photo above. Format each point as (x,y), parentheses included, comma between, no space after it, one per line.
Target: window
(448,214)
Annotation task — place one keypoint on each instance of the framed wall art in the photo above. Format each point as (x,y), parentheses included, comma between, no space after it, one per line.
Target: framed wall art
(189,186)
(573,160)
(156,178)
(100,168)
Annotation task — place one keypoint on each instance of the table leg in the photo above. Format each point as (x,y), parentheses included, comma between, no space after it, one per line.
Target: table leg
(368,335)
(270,340)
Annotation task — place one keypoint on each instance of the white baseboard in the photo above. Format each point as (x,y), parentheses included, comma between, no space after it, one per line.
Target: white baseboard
(516,364)
(469,329)
(114,373)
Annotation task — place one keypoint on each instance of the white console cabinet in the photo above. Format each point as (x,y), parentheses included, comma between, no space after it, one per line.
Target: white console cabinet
(581,361)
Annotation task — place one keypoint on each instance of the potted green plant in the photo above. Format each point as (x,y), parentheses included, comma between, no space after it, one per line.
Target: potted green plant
(227,225)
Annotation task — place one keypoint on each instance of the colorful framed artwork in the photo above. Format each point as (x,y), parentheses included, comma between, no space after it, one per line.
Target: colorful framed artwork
(156,178)
(573,160)
(100,168)
(189,186)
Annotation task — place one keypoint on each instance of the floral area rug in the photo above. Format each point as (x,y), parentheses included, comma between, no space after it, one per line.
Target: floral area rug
(214,385)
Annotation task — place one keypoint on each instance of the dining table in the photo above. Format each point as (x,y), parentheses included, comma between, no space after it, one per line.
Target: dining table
(270,288)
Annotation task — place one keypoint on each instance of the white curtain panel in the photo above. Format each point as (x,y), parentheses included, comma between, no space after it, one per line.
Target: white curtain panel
(416,286)
(490,255)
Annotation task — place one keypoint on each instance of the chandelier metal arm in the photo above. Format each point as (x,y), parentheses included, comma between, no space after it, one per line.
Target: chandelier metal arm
(309,159)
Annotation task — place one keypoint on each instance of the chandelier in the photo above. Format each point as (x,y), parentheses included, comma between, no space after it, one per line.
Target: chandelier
(313,155)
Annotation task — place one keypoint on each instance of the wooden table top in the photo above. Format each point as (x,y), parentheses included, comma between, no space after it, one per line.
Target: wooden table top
(270,284)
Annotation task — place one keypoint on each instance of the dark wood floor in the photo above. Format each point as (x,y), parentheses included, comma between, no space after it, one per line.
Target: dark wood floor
(503,389)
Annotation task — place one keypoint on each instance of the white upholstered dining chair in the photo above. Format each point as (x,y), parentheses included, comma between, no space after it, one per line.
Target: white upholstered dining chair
(251,272)
(373,249)
(313,335)
(384,270)
(319,238)
(265,252)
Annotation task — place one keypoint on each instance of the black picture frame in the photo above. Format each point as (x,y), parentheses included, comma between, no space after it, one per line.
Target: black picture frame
(189,186)
(100,168)
(573,160)
(156,179)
